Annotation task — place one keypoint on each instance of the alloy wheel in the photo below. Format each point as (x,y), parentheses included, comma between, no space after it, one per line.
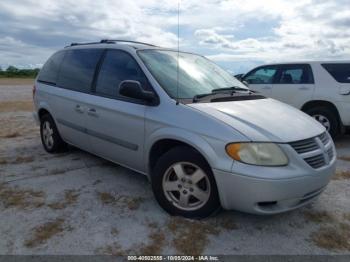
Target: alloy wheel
(323,120)
(186,186)
(48,134)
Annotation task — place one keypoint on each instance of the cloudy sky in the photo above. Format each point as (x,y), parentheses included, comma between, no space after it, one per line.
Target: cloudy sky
(236,34)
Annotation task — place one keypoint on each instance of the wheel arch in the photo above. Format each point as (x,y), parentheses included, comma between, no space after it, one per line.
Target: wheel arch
(159,144)
(321,103)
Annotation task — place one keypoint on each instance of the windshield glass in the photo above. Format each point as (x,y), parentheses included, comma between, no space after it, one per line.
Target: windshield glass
(197,75)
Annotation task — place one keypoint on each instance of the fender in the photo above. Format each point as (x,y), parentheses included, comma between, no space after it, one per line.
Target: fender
(198,142)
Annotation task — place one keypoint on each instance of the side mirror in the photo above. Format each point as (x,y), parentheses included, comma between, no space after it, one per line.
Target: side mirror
(245,82)
(133,89)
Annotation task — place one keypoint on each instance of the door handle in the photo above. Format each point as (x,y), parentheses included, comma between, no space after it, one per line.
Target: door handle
(266,87)
(79,109)
(92,112)
(304,88)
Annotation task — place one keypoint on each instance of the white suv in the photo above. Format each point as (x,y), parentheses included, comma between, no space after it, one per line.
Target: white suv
(321,89)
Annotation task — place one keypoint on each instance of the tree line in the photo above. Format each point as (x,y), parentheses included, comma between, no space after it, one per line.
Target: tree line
(13,71)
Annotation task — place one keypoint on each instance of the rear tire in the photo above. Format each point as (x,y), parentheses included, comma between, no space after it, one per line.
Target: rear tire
(50,137)
(327,117)
(184,185)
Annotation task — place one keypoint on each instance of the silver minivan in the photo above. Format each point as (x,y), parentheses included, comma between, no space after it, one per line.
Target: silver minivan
(202,137)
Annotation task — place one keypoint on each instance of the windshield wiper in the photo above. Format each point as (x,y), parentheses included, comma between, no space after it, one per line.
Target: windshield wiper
(232,88)
(229,91)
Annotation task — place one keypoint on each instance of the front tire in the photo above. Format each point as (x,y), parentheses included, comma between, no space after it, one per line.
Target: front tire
(50,137)
(184,185)
(327,117)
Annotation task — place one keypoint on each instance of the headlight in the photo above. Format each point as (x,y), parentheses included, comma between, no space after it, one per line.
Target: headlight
(261,154)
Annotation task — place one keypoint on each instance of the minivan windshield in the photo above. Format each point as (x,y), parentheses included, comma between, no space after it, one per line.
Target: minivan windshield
(197,74)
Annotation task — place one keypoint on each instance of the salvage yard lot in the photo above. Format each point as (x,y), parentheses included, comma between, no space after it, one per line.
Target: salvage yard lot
(76,203)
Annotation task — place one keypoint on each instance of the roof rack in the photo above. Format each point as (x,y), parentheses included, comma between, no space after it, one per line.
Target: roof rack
(110,41)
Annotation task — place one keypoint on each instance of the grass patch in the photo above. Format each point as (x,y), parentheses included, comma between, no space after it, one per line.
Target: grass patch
(339,175)
(14,106)
(318,216)
(70,198)
(20,198)
(114,231)
(347,216)
(106,198)
(157,242)
(333,237)
(3,161)
(345,158)
(190,236)
(44,232)
(16,81)
(132,203)
(11,135)
(154,246)
(23,159)
(114,250)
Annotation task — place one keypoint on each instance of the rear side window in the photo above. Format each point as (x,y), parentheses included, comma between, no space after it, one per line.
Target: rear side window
(117,67)
(48,74)
(262,75)
(340,72)
(78,68)
(295,74)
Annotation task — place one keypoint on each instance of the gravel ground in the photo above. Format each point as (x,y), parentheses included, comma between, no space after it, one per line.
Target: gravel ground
(76,203)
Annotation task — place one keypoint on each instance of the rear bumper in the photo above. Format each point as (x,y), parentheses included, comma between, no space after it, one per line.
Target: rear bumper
(270,196)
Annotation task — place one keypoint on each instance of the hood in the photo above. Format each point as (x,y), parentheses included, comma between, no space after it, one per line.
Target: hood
(264,120)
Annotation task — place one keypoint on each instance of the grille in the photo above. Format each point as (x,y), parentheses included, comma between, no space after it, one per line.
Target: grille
(316,161)
(330,153)
(312,151)
(324,138)
(304,146)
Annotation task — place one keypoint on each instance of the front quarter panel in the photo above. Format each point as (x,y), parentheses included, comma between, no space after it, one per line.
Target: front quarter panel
(197,129)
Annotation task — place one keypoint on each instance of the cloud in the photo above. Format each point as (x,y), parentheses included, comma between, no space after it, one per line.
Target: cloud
(306,30)
(236,33)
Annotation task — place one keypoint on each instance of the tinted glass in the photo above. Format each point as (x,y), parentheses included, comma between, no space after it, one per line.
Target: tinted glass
(295,74)
(49,72)
(196,74)
(262,75)
(117,67)
(340,72)
(78,68)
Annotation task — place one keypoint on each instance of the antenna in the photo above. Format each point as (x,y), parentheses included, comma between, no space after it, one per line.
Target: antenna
(178,52)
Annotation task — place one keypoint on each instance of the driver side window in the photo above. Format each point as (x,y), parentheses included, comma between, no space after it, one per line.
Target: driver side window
(117,67)
(263,75)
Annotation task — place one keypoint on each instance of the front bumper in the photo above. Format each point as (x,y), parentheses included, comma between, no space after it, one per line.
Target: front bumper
(262,195)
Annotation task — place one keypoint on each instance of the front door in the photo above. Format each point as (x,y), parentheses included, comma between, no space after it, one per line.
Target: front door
(294,84)
(260,79)
(115,123)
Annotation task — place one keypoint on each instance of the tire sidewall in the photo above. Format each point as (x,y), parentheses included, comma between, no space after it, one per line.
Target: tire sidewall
(183,154)
(57,142)
(330,115)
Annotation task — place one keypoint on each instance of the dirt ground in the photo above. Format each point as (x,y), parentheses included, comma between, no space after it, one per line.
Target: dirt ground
(76,203)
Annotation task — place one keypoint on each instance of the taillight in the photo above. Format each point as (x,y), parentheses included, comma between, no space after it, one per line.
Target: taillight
(34,89)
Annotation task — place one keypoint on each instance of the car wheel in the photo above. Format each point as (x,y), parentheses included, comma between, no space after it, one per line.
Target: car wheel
(50,136)
(327,117)
(184,185)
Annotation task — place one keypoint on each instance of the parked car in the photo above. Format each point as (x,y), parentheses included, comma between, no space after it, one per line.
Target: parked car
(321,89)
(202,137)
(239,76)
